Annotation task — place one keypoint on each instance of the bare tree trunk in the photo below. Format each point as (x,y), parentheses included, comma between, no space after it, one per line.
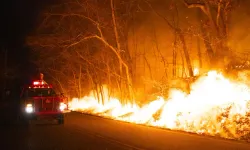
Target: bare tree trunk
(135,54)
(108,76)
(183,71)
(79,81)
(91,82)
(186,54)
(118,45)
(75,83)
(199,52)
(96,87)
(218,22)
(101,93)
(206,40)
(148,65)
(180,34)
(160,54)
(174,57)
(121,62)
(208,46)
(118,83)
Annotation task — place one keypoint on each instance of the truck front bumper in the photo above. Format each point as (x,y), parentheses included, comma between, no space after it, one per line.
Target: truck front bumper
(44,115)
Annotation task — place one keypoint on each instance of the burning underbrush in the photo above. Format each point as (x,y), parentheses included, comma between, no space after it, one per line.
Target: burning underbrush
(215,106)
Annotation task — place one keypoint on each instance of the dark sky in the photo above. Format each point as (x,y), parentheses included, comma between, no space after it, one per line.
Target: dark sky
(18,19)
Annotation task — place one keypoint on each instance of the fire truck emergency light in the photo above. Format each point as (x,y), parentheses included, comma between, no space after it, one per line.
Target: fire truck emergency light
(39,83)
(35,83)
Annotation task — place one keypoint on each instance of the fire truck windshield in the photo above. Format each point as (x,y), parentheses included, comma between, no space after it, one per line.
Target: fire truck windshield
(33,92)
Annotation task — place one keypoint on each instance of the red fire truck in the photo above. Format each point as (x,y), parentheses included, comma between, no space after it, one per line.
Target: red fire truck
(39,101)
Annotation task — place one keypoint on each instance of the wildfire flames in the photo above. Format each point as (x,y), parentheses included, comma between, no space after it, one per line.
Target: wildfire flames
(216,106)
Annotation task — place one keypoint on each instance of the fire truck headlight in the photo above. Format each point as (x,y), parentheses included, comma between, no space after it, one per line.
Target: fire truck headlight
(62,106)
(29,108)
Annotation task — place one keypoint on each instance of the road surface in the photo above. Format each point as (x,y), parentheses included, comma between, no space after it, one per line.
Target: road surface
(85,132)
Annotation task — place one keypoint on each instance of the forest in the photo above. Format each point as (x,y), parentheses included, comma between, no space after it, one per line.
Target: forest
(138,49)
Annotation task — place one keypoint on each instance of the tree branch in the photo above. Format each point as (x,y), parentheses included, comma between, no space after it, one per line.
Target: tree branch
(160,15)
(90,63)
(202,6)
(81,16)
(103,41)
(218,12)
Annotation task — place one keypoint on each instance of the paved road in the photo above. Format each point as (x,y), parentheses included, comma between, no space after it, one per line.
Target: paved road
(84,132)
(53,137)
(47,135)
(151,138)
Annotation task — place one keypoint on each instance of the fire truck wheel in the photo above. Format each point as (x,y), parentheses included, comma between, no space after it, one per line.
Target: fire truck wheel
(60,121)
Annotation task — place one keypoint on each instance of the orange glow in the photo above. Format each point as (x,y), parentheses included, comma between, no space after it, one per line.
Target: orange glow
(215,106)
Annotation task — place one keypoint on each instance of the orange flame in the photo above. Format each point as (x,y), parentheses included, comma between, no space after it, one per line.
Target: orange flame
(215,106)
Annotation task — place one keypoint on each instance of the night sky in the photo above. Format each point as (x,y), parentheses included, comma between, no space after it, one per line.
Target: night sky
(19,18)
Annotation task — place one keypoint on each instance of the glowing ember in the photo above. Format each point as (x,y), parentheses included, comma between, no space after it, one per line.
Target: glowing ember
(215,106)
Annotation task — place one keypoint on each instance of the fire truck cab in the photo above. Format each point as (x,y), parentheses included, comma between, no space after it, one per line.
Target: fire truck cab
(39,101)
